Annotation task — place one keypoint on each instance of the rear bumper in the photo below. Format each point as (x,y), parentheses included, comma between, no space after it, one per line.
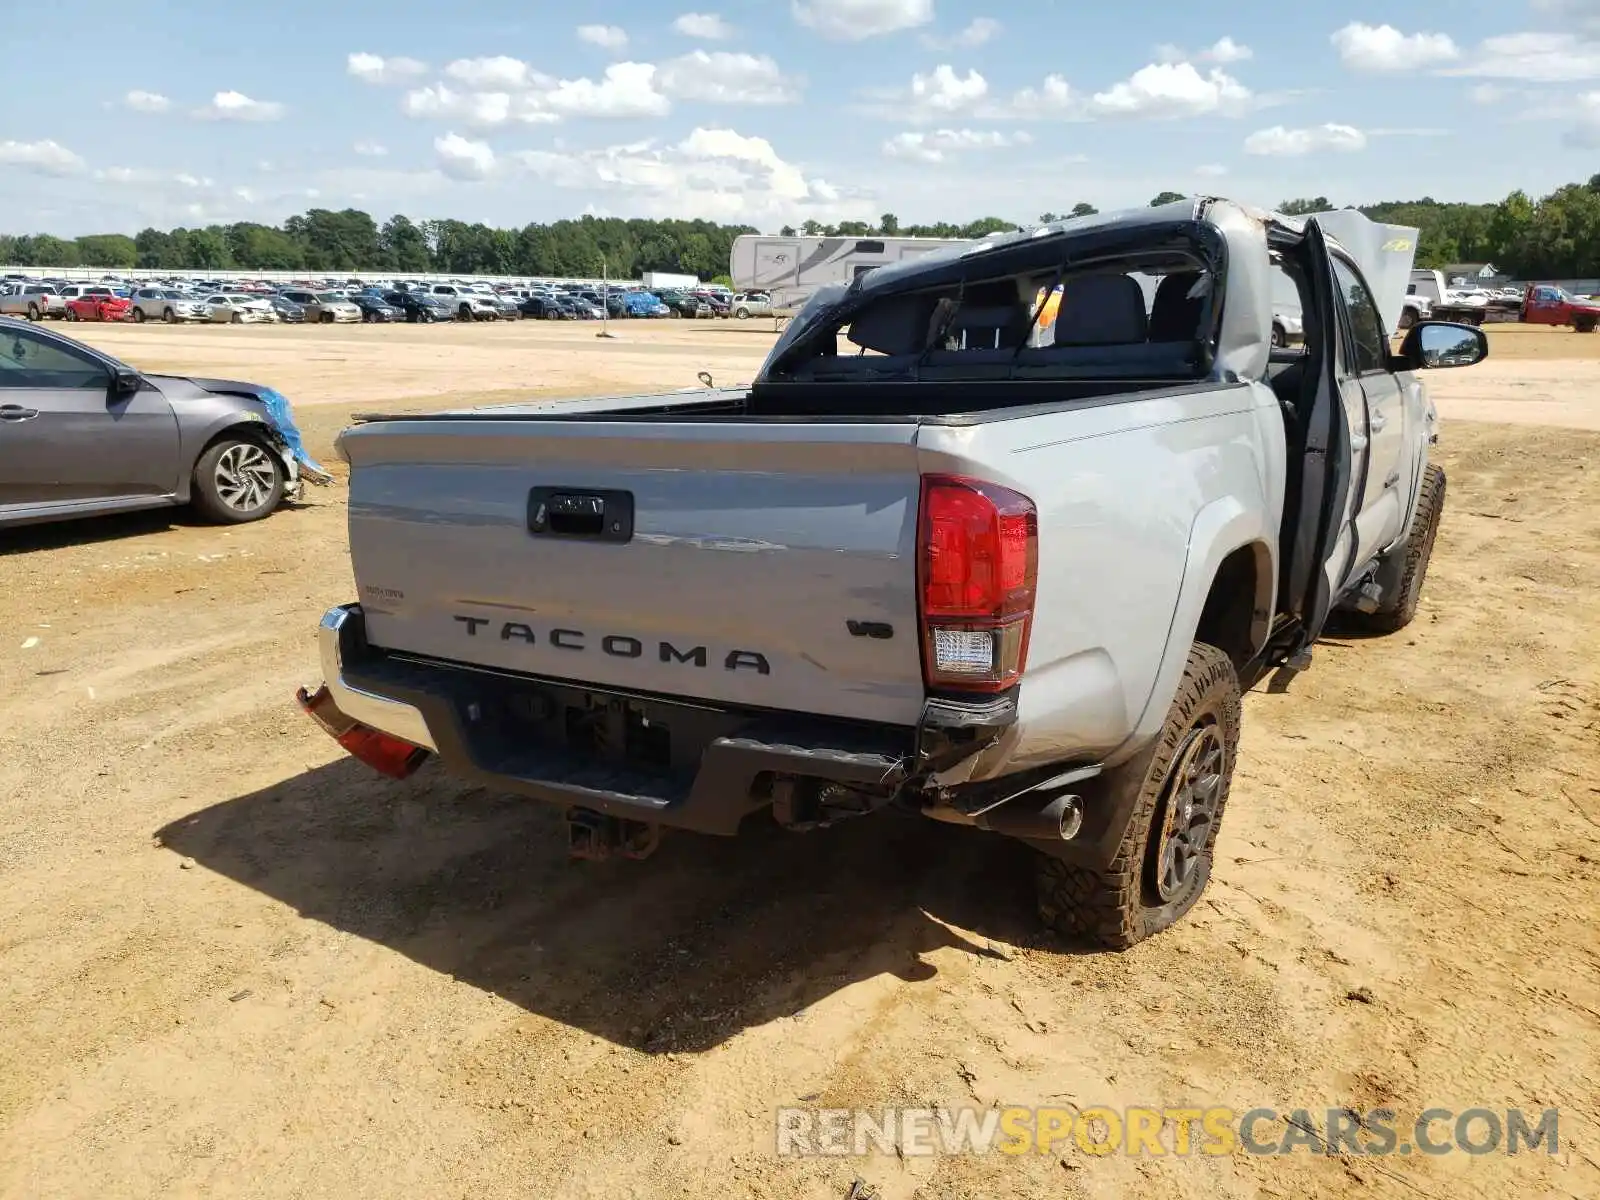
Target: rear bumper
(513,733)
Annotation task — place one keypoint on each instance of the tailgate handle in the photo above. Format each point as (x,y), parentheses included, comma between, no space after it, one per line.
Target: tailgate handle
(586,514)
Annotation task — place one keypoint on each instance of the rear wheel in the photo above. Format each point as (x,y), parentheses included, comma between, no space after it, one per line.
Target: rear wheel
(1179,788)
(1279,338)
(72,313)
(1397,611)
(237,479)
(33,312)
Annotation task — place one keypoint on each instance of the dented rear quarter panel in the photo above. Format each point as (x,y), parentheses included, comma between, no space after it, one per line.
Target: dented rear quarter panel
(1139,502)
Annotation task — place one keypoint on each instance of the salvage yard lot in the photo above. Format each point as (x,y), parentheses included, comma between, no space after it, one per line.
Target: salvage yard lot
(232,962)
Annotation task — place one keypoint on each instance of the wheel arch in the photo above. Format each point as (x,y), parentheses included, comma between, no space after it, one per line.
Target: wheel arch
(233,424)
(1226,599)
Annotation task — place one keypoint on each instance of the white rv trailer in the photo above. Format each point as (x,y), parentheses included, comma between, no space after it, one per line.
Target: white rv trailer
(792,268)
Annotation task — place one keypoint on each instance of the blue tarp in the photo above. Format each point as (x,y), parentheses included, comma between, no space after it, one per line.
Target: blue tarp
(278,412)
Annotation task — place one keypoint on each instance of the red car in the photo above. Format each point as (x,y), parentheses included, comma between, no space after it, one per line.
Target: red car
(1546,304)
(98,304)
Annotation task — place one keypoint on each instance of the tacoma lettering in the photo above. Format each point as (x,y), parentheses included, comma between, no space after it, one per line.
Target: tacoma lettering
(620,645)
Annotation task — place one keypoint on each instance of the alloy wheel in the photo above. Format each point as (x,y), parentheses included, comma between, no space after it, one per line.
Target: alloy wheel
(1190,801)
(244,477)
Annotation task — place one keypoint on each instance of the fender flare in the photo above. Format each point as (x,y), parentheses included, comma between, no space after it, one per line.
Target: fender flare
(1222,527)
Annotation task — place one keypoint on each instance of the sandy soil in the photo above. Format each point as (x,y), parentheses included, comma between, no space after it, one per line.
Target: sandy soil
(232,963)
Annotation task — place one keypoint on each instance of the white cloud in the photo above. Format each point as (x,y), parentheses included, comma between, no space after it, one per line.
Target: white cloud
(42,158)
(1054,97)
(1279,142)
(1488,93)
(937,145)
(626,90)
(975,33)
(462,158)
(857,20)
(714,173)
(479,109)
(718,77)
(708,26)
(1384,48)
(370,149)
(1223,51)
(1211,170)
(1581,14)
(1585,135)
(146,102)
(498,73)
(607,37)
(147,177)
(1534,57)
(1163,90)
(943,91)
(373,68)
(236,106)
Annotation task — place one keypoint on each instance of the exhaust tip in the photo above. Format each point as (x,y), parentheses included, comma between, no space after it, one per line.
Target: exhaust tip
(1059,820)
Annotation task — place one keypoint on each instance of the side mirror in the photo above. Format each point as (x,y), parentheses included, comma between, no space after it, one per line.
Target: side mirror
(1431,344)
(126,382)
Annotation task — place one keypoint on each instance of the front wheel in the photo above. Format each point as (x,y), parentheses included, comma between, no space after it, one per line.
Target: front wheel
(1584,325)
(236,480)
(170,317)
(1397,610)
(138,316)
(327,318)
(1408,318)
(1279,338)
(743,314)
(236,319)
(1176,791)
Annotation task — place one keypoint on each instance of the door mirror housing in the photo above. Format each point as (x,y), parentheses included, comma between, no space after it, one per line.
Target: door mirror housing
(125,382)
(1431,344)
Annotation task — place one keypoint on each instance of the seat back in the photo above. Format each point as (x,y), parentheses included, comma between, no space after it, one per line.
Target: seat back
(1101,310)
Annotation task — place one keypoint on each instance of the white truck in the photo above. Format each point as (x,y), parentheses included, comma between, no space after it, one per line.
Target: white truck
(933,558)
(656,281)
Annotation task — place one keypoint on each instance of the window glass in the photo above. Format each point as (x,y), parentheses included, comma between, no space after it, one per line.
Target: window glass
(1366,326)
(29,361)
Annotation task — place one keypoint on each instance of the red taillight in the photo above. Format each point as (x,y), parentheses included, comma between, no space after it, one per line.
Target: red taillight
(978,567)
(380,751)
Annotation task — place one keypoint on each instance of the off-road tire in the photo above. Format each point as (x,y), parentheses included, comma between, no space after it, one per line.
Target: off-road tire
(1119,907)
(1395,614)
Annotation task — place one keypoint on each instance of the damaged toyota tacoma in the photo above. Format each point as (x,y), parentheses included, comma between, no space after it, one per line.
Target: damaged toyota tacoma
(939,556)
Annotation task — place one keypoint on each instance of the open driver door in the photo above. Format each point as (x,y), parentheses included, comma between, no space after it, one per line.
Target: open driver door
(1317,512)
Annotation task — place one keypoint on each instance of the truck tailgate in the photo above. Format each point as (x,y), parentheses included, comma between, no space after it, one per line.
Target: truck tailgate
(753,564)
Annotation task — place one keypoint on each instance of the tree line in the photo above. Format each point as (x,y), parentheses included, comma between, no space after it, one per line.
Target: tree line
(1556,237)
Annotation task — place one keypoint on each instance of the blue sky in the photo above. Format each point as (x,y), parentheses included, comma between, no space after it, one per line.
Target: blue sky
(165,112)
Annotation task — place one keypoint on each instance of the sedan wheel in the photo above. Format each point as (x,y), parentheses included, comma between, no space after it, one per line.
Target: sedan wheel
(237,480)
(72,314)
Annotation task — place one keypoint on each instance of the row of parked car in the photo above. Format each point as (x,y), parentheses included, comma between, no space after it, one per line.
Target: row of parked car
(175,301)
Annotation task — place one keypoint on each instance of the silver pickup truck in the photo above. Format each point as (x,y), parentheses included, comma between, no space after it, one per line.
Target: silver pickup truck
(940,555)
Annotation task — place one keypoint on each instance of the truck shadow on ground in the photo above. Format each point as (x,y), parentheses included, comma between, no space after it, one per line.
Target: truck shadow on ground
(677,953)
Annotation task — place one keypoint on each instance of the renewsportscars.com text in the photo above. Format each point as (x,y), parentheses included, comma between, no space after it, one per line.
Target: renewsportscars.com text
(1153,1132)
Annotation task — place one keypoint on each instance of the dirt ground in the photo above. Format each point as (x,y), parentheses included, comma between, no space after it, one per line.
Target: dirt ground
(233,963)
